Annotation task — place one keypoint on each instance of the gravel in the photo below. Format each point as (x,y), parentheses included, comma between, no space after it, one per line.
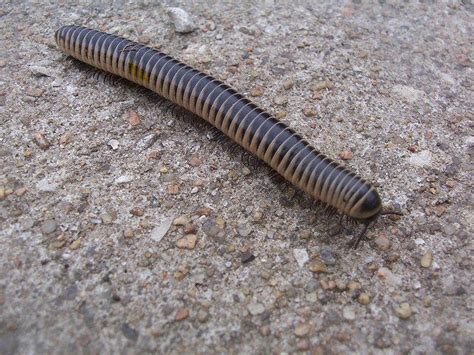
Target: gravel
(94,173)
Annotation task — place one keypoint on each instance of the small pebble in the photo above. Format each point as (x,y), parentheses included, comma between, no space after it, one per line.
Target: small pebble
(255,308)
(133,118)
(106,218)
(41,141)
(202,316)
(265,330)
(187,242)
(35,92)
(302,330)
(364,299)
(346,155)
(318,267)
(21,191)
(244,230)
(327,255)
(146,141)
(160,230)
(326,84)
(173,189)
(288,84)
(128,233)
(49,226)
(75,244)
(246,257)
(280,100)
(181,314)
(181,221)
(195,162)
(427,259)
(137,212)
(256,91)
(404,311)
(301,256)
(182,21)
(309,112)
(353,286)
(113,143)
(280,115)
(348,313)
(303,345)
(123,179)
(45,186)
(382,243)
(129,332)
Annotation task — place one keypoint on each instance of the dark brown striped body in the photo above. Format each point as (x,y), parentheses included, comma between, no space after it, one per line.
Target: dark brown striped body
(241,120)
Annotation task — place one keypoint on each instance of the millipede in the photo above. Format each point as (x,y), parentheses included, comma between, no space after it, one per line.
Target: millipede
(257,131)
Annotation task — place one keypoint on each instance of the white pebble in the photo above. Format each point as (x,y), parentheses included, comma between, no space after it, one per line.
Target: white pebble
(182,22)
(46,186)
(160,230)
(301,256)
(113,143)
(123,179)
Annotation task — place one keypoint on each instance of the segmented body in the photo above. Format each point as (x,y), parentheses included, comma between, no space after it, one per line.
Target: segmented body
(237,117)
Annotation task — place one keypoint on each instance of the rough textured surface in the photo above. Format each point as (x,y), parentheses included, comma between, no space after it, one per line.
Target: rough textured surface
(94,173)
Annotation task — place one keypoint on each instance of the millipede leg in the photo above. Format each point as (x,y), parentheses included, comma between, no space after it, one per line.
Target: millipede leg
(355,242)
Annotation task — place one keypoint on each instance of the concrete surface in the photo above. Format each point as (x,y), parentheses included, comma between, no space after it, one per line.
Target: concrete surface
(94,173)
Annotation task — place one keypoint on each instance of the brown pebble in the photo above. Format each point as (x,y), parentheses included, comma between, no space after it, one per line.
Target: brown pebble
(137,212)
(187,242)
(413,148)
(181,314)
(346,155)
(204,211)
(21,191)
(280,115)
(256,91)
(3,193)
(382,243)
(173,189)
(35,92)
(404,311)
(323,85)
(288,84)
(133,118)
(265,330)
(303,345)
(364,299)
(302,330)
(195,162)
(144,39)
(153,155)
(27,153)
(41,141)
(450,183)
(427,259)
(65,138)
(353,286)
(128,233)
(190,229)
(75,244)
(181,221)
(440,210)
(309,112)
(318,267)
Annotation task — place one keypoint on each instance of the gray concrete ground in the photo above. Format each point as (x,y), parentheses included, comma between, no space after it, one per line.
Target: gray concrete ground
(93,174)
